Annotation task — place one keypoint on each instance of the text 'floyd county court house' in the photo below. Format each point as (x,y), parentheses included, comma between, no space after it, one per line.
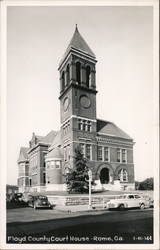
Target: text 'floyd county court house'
(109,150)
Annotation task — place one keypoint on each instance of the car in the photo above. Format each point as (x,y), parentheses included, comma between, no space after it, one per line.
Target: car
(149,199)
(128,201)
(26,197)
(16,197)
(39,201)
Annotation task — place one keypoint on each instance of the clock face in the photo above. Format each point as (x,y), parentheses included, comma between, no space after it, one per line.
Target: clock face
(66,104)
(85,101)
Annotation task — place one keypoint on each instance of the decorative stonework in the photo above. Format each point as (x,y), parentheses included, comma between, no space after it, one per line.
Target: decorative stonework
(113,141)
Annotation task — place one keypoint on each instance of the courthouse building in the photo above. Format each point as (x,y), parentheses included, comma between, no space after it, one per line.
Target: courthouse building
(109,150)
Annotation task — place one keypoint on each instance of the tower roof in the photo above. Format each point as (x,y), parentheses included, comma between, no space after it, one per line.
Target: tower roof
(56,142)
(77,42)
(56,153)
(23,156)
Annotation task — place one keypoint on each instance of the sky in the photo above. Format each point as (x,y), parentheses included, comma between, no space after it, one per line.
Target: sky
(121,38)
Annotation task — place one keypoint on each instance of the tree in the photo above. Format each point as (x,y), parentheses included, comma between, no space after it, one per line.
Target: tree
(77,178)
(147,184)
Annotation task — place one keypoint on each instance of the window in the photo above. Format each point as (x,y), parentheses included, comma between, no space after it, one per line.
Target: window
(44,178)
(78,73)
(106,154)
(44,164)
(123,175)
(88,151)
(27,170)
(99,153)
(89,126)
(131,196)
(88,76)
(66,127)
(84,125)
(68,75)
(137,197)
(67,153)
(63,81)
(80,124)
(118,155)
(57,164)
(124,154)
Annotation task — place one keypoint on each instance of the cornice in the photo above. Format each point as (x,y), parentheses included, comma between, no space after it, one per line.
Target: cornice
(77,87)
(76,52)
(114,141)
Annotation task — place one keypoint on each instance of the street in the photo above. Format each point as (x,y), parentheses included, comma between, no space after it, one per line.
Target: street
(26,225)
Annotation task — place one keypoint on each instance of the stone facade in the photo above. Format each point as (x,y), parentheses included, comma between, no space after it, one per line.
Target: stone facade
(109,150)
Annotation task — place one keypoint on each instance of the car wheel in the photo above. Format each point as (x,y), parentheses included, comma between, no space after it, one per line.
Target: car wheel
(142,206)
(121,207)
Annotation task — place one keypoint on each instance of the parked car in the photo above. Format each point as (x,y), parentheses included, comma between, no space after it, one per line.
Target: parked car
(149,199)
(16,197)
(26,197)
(39,201)
(128,201)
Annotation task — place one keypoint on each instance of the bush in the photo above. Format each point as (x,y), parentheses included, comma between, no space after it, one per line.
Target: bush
(147,184)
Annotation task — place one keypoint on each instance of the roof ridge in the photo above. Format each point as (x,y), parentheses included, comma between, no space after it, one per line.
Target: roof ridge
(105,120)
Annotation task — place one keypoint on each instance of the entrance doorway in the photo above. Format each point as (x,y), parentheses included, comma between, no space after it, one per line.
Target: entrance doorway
(104,176)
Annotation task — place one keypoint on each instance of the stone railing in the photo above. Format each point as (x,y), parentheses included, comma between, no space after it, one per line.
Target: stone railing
(79,200)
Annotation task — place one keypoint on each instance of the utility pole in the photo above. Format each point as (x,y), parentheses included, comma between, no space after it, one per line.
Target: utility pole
(90,180)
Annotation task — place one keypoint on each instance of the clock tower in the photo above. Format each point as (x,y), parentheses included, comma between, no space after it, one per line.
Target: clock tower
(77,96)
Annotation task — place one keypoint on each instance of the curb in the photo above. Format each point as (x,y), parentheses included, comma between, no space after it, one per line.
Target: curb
(81,211)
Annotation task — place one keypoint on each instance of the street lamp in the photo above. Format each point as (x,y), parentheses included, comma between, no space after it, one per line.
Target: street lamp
(90,179)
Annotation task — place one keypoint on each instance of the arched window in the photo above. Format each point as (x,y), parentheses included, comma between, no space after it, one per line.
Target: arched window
(78,72)
(88,76)
(63,81)
(44,178)
(123,175)
(68,75)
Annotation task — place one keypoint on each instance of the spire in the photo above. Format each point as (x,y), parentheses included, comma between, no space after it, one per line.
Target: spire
(77,42)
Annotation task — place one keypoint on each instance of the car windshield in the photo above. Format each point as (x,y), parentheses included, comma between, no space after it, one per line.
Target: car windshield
(130,196)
